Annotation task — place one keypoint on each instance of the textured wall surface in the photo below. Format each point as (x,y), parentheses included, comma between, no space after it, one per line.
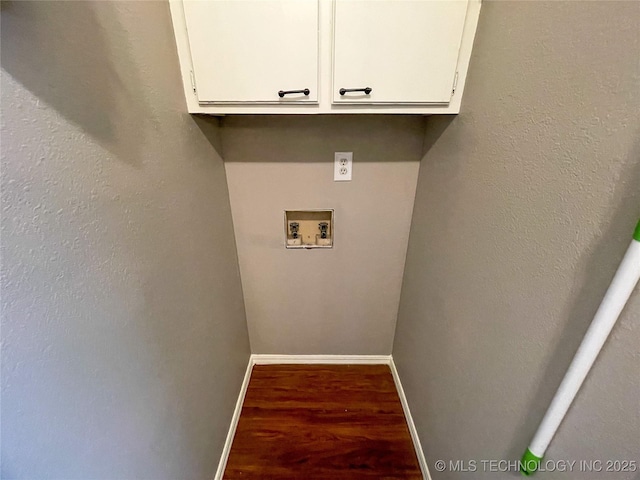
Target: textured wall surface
(525,205)
(124,340)
(338,301)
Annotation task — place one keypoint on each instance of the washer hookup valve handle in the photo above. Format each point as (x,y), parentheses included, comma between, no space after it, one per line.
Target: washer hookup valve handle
(294,226)
(324,226)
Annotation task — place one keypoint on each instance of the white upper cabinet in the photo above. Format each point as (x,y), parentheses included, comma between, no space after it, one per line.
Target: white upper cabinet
(263,51)
(399,51)
(324,56)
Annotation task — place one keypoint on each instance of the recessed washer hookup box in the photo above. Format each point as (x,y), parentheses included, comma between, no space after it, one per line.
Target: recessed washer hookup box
(308,228)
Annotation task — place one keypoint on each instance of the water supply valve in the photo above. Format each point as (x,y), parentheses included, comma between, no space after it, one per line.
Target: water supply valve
(294,227)
(324,228)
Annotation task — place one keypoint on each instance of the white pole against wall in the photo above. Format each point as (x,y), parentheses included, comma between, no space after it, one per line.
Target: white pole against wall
(605,318)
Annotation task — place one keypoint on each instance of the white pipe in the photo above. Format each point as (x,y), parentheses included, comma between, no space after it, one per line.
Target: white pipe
(605,318)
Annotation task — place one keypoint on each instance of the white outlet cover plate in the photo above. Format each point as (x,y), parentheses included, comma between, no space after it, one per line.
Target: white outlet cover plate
(342,166)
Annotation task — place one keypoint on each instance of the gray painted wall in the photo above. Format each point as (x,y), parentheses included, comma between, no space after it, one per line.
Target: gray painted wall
(338,301)
(525,204)
(124,340)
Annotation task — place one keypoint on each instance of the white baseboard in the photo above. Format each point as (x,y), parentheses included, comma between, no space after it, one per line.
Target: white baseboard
(412,427)
(265,359)
(234,422)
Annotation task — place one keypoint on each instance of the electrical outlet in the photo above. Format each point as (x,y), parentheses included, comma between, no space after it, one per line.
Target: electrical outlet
(343,166)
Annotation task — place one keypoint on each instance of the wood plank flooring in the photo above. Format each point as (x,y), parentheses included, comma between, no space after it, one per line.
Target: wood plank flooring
(322,422)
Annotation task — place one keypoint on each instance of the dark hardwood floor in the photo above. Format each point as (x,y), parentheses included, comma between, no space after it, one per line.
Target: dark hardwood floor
(322,422)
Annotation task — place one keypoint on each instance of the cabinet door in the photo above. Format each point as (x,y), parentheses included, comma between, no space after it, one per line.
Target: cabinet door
(249,50)
(405,51)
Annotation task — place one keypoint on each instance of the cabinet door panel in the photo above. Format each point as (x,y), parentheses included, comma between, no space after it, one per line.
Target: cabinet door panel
(406,51)
(249,50)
